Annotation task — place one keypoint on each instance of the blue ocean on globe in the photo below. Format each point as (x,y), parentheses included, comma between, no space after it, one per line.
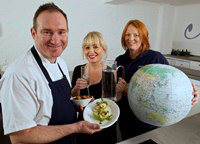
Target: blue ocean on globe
(160,95)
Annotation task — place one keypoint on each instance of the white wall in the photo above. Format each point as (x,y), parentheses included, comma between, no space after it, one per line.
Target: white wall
(84,16)
(184,16)
(166,26)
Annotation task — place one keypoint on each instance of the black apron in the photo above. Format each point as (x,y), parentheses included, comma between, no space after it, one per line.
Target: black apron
(63,111)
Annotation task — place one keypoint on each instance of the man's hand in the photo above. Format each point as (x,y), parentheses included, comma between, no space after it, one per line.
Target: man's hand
(88,128)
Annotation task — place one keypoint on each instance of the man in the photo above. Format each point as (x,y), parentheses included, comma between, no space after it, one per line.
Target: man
(35,90)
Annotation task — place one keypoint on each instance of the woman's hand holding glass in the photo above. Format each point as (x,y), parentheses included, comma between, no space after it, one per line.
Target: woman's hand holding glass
(81,83)
(85,77)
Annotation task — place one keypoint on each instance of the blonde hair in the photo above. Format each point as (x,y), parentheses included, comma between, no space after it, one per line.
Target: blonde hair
(94,38)
(143,34)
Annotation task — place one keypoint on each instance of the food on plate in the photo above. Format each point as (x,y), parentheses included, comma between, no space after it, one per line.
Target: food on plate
(81,100)
(81,97)
(102,111)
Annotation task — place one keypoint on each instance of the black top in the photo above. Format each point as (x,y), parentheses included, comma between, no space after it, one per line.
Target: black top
(95,89)
(132,65)
(107,135)
(129,124)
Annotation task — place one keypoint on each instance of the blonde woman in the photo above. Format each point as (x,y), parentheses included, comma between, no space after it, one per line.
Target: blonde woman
(94,50)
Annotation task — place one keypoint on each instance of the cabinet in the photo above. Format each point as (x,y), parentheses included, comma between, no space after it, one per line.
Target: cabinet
(195,65)
(179,62)
(170,61)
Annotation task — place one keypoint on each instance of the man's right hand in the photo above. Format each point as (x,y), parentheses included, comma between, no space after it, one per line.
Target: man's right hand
(88,128)
(46,134)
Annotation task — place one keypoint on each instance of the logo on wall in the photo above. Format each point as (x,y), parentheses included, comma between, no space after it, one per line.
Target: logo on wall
(188,30)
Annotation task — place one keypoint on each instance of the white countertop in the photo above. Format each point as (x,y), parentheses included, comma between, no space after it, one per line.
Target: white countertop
(186,131)
(192,57)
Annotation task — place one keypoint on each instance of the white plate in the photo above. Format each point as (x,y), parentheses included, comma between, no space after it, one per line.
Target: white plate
(88,114)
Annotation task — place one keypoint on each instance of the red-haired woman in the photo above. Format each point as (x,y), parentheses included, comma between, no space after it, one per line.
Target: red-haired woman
(135,41)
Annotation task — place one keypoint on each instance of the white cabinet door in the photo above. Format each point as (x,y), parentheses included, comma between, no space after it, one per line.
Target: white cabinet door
(195,65)
(181,63)
(170,61)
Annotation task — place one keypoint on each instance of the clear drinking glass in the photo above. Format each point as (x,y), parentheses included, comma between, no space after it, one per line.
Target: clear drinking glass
(85,75)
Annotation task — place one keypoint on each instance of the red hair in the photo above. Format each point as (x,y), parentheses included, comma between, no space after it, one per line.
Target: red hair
(143,34)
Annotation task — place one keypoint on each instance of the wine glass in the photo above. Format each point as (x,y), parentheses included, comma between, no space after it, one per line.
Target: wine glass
(85,76)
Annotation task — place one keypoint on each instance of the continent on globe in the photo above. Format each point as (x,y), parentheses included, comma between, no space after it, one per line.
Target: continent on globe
(160,95)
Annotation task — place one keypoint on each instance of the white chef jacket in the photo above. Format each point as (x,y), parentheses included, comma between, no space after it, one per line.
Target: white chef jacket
(25,94)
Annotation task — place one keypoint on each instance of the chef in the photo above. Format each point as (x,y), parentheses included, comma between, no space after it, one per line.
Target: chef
(35,89)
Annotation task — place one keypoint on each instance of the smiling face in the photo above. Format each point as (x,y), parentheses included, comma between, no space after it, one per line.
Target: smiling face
(132,38)
(94,47)
(51,34)
(93,53)
(135,37)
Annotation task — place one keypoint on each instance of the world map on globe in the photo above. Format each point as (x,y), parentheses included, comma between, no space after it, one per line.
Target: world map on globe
(160,95)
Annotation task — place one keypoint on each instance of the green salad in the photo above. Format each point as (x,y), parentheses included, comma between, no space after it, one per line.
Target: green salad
(102,111)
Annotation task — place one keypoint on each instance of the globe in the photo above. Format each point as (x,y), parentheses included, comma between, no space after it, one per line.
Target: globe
(160,95)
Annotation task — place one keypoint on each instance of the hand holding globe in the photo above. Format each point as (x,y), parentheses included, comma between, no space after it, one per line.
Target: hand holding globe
(195,94)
